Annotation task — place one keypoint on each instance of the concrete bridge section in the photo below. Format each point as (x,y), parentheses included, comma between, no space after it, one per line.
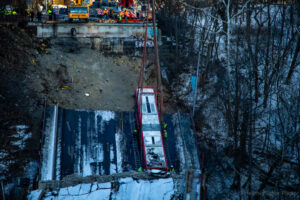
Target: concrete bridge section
(89,143)
(91,30)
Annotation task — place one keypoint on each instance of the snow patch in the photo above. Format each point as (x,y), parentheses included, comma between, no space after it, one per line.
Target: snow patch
(34,195)
(113,166)
(164,189)
(86,171)
(129,189)
(85,189)
(118,152)
(106,115)
(20,137)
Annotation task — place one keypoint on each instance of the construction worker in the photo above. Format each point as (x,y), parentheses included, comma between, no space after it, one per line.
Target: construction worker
(166,134)
(172,169)
(106,13)
(39,16)
(140,169)
(165,126)
(122,14)
(126,13)
(31,15)
(49,14)
(54,15)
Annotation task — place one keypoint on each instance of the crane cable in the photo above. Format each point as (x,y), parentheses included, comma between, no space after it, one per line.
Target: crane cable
(142,71)
(157,66)
(144,59)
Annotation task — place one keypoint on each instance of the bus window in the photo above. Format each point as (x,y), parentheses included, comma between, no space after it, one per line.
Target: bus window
(78,10)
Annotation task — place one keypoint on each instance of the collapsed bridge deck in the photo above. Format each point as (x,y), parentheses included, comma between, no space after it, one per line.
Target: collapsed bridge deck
(101,143)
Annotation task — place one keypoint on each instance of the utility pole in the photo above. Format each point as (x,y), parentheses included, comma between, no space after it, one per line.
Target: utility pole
(197,74)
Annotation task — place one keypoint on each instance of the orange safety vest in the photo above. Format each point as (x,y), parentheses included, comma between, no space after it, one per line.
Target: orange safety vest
(127,13)
(122,13)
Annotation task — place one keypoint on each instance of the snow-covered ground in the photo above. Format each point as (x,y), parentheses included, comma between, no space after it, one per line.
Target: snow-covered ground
(17,142)
(18,137)
(123,189)
(34,195)
(247,111)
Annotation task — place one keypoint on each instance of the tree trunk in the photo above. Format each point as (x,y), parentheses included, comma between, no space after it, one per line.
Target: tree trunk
(293,63)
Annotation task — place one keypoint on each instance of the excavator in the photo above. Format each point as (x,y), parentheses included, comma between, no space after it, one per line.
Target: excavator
(79,9)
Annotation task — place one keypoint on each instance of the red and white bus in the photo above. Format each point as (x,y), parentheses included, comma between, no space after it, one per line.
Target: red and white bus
(151,135)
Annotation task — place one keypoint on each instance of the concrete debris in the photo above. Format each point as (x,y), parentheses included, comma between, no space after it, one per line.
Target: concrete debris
(123,189)
(35,195)
(129,185)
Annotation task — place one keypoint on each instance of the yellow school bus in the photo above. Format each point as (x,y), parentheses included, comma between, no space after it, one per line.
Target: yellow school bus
(78,12)
(79,9)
